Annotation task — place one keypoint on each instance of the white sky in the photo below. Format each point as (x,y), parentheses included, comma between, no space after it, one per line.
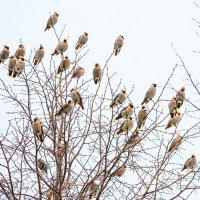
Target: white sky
(149,28)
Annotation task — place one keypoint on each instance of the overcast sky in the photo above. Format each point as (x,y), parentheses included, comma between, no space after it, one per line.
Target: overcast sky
(149,28)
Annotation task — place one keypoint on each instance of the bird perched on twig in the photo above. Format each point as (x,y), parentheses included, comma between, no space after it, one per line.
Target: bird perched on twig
(142,115)
(150,93)
(126,126)
(42,165)
(76,97)
(20,52)
(125,112)
(66,108)
(172,107)
(175,143)
(119,99)
(19,67)
(78,72)
(38,129)
(120,171)
(118,44)
(4,54)
(190,163)
(11,65)
(180,97)
(134,139)
(174,121)
(52,21)
(82,40)
(60,48)
(97,73)
(64,65)
(39,55)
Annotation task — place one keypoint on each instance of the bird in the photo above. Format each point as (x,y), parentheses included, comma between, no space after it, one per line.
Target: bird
(97,73)
(120,171)
(76,97)
(20,52)
(60,48)
(4,54)
(11,65)
(175,143)
(78,72)
(52,21)
(82,40)
(38,129)
(134,139)
(66,108)
(64,65)
(190,163)
(94,186)
(125,112)
(118,44)
(39,55)
(19,67)
(150,93)
(180,97)
(126,126)
(42,165)
(61,150)
(174,121)
(172,107)
(142,115)
(119,99)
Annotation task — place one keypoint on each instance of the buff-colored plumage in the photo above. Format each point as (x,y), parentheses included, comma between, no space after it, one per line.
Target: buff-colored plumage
(120,171)
(174,121)
(82,40)
(172,107)
(78,72)
(118,44)
(134,139)
(11,65)
(175,143)
(19,67)
(60,48)
(20,52)
(150,93)
(142,115)
(76,97)
(42,165)
(126,126)
(64,65)
(52,21)
(38,129)
(66,109)
(190,163)
(180,97)
(4,54)
(97,73)
(125,112)
(119,99)
(39,55)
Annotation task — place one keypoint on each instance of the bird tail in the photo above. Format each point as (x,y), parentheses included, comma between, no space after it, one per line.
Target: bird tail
(179,104)
(82,106)
(116,52)
(118,117)
(14,74)
(47,28)
(58,114)
(54,53)
(58,71)
(119,131)
(10,73)
(35,63)
(172,115)
(77,46)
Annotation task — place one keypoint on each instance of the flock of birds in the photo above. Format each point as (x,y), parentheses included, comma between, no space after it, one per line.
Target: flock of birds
(16,66)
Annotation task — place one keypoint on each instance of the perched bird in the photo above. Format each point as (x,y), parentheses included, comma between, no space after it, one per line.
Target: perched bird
(172,107)
(78,72)
(180,97)
(119,99)
(176,141)
(126,126)
(150,93)
(125,112)
(190,163)
(118,44)
(11,65)
(174,121)
(76,97)
(42,165)
(38,129)
(52,21)
(60,48)
(134,139)
(120,171)
(97,73)
(39,55)
(93,187)
(4,54)
(20,51)
(81,40)
(65,185)
(61,150)
(142,115)
(64,65)
(66,108)
(19,67)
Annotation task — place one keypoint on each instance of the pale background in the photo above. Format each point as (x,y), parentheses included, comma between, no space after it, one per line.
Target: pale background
(149,28)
